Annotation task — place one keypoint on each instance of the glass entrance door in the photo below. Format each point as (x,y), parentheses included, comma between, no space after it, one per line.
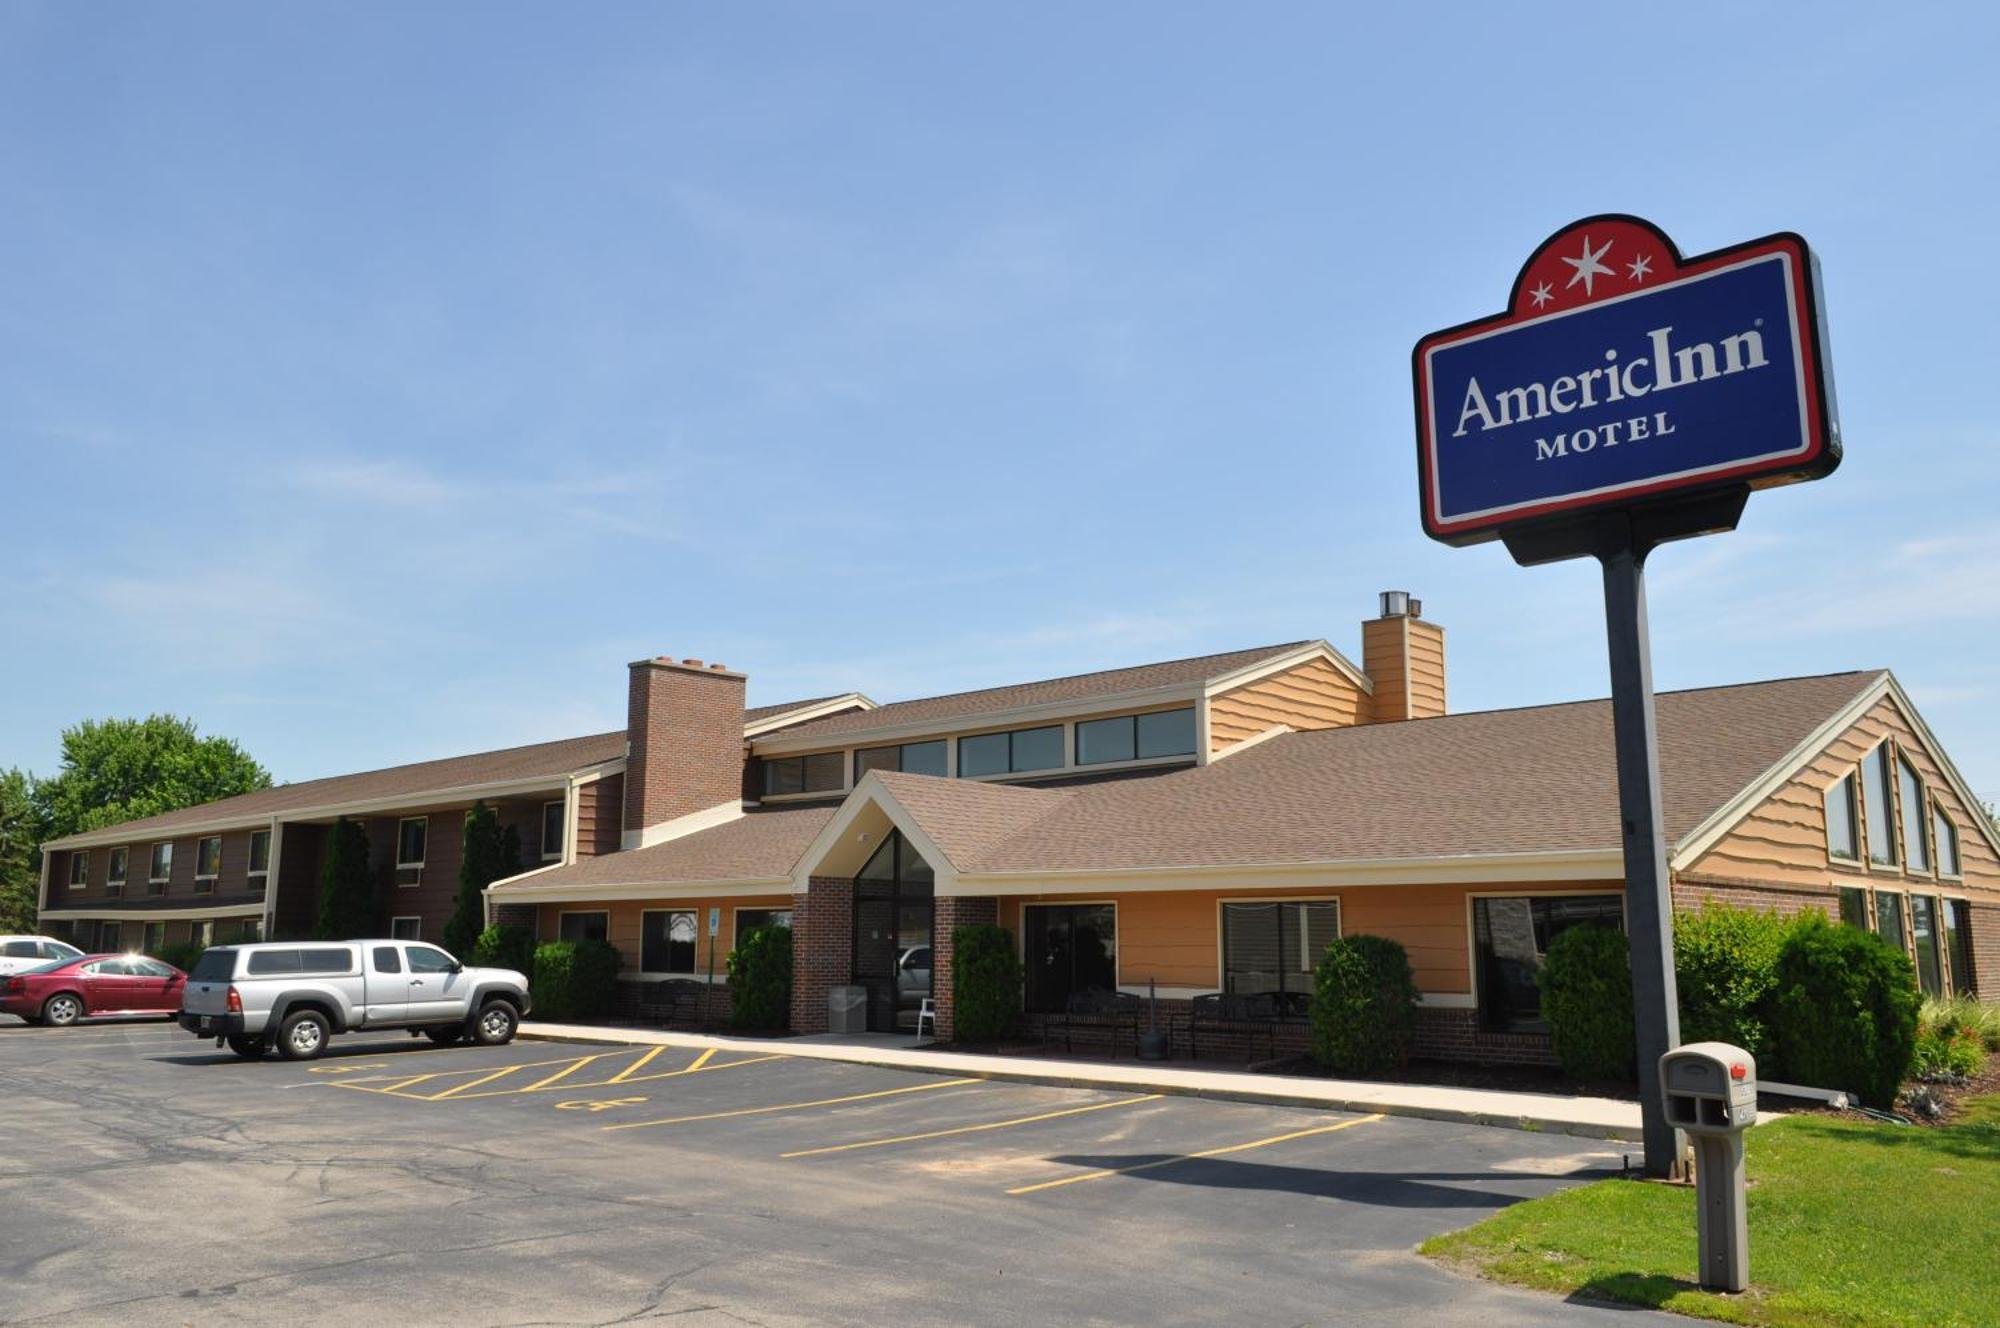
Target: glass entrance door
(1071,948)
(893,905)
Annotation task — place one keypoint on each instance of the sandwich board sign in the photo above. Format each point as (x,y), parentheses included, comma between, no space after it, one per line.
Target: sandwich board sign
(1627,396)
(1621,371)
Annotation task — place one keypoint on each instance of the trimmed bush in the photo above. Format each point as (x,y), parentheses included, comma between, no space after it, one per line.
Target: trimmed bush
(1364,1006)
(183,955)
(1845,1011)
(986,981)
(760,979)
(1726,967)
(574,979)
(505,945)
(1586,983)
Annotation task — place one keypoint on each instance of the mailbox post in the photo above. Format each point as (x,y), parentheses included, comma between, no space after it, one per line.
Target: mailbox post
(1710,1091)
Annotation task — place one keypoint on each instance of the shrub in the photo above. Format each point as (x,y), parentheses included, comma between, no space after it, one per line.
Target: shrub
(1364,1005)
(183,955)
(1845,1010)
(1726,967)
(505,945)
(760,979)
(347,889)
(985,983)
(1963,1012)
(482,860)
(1586,982)
(1947,1053)
(574,979)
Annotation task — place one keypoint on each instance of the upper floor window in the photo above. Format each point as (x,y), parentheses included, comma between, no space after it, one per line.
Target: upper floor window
(552,829)
(207,862)
(115,879)
(912,758)
(260,852)
(1875,799)
(411,836)
(163,864)
(1947,841)
(1843,836)
(79,869)
(1916,846)
(818,773)
(1136,737)
(1011,753)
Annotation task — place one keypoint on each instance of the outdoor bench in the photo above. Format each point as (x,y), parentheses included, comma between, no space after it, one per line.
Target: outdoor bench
(674,1001)
(1242,1018)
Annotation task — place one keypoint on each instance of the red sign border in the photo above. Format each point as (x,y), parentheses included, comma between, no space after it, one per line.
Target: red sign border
(1820,459)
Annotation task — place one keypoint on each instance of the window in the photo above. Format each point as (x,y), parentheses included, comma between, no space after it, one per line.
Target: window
(666,941)
(411,836)
(1136,737)
(593,926)
(912,758)
(1070,949)
(1011,753)
(1274,947)
(148,968)
(207,863)
(552,830)
(260,853)
(1916,848)
(1889,917)
(162,868)
(107,936)
(153,937)
(1854,906)
(1843,834)
(1923,931)
(1947,841)
(1510,937)
(204,935)
(430,959)
(1958,944)
(79,869)
(114,883)
(331,960)
(750,919)
(406,928)
(1875,798)
(387,958)
(818,773)
(22,950)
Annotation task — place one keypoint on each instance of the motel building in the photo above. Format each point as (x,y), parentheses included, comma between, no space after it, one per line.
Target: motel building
(1189,827)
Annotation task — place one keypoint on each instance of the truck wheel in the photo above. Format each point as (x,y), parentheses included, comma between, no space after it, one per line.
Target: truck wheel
(496,1024)
(302,1037)
(62,1009)
(249,1048)
(447,1036)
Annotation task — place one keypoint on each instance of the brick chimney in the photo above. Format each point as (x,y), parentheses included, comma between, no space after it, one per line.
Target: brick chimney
(684,746)
(1404,657)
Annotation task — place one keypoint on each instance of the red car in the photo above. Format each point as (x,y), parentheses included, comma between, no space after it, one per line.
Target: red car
(67,990)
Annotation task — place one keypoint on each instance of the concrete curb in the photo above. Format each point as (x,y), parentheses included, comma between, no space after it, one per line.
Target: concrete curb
(1586,1117)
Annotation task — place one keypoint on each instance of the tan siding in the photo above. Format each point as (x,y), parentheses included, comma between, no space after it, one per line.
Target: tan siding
(1427,698)
(599,812)
(1382,657)
(1314,695)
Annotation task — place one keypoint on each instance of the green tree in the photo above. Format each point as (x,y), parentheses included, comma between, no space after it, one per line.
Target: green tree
(121,769)
(484,860)
(20,857)
(346,886)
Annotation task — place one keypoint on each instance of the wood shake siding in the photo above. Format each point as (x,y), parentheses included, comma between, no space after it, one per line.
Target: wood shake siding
(1315,695)
(1405,660)
(600,809)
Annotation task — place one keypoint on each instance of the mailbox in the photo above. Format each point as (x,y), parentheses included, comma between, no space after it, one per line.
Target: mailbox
(1711,1092)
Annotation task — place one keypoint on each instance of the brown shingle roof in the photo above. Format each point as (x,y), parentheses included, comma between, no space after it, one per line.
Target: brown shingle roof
(758,845)
(1076,687)
(1504,781)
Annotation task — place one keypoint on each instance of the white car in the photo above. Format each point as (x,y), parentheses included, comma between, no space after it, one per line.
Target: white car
(21,953)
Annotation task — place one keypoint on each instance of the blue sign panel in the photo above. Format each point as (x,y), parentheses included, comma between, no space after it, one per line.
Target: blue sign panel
(1621,373)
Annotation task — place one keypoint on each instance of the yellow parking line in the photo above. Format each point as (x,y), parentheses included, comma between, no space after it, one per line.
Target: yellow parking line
(500,1073)
(1188,1157)
(568,1070)
(641,1079)
(975,1129)
(645,1060)
(393,1086)
(792,1106)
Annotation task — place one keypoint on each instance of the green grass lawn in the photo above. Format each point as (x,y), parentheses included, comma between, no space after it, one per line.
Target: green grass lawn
(1849,1224)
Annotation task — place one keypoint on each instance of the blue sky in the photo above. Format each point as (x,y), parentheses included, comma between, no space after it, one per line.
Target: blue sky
(374,383)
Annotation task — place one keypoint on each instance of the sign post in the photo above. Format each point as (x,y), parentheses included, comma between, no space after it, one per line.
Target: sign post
(1627,397)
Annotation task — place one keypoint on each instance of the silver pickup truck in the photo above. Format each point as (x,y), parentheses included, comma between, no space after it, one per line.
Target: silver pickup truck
(296,995)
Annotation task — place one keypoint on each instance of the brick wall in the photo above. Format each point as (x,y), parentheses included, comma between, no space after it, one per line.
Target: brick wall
(1986,951)
(1455,1035)
(1690,892)
(950,912)
(822,949)
(684,724)
(514,915)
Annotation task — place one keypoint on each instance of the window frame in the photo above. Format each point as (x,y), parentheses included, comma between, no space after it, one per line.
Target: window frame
(204,882)
(1131,721)
(117,868)
(1910,787)
(153,866)
(1883,760)
(562,829)
(1942,821)
(694,944)
(415,935)
(1958,939)
(252,870)
(857,774)
(839,759)
(1902,939)
(1867,922)
(1222,932)
(736,920)
(1064,756)
(604,913)
(79,857)
(1851,783)
(1472,934)
(418,865)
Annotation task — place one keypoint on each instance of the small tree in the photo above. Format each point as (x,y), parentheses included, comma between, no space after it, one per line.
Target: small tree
(760,979)
(1364,1006)
(20,862)
(482,862)
(1845,1010)
(1725,969)
(1586,983)
(505,945)
(985,983)
(346,886)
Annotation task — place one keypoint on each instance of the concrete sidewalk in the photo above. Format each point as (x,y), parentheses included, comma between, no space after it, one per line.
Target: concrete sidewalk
(1591,1117)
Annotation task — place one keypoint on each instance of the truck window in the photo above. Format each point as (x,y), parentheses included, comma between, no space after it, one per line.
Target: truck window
(214,966)
(387,960)
(423,959)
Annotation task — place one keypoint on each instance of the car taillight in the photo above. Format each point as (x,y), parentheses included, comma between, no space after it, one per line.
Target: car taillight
(235,1001)
(14,985)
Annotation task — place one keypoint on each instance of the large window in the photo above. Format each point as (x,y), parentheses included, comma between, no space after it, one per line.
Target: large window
(1916,850)
(1875,794)
(666,941)
(1854,906)
(912,758)
(114,883)
(1136,737)
(1889,917)
(1947,842)
(412,838)
(553,815)
(593,925)
(750,919)
(817,773)
(162,868)
(1958,944)
(1011,753)
(1924,932)
(79,869)
(260,854)
(1071,948)
(207,863)
(1510,938)
(1275,947)
(1843,835)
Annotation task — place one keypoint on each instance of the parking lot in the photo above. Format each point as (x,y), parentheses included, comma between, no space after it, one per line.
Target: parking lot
(142,1172)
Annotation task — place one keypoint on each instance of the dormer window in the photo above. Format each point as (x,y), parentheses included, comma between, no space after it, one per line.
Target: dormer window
(820,772)
(912,758)
(1149,737)
(1014,753)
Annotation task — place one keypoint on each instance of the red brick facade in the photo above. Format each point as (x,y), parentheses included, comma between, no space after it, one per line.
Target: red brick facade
(949,913)
(822,949)
(1691,892)
(685,733)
